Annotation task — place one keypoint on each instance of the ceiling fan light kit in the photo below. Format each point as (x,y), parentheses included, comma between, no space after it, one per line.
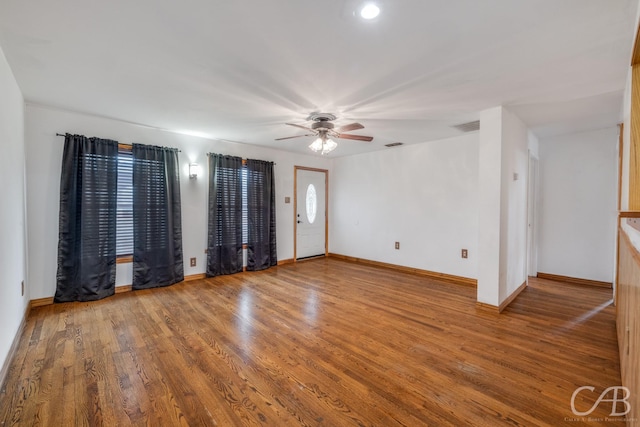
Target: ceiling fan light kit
(324,130)
(323,145)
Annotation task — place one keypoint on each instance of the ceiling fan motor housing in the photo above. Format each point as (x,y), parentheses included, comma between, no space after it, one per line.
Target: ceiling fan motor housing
(319,125)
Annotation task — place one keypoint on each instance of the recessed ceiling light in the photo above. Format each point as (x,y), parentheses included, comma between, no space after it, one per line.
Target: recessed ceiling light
(369,11)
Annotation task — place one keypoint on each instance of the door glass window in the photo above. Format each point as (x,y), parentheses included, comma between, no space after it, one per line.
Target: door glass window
(311,203)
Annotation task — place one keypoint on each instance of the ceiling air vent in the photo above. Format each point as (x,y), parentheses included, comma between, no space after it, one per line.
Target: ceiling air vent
(468,127)
(394,144)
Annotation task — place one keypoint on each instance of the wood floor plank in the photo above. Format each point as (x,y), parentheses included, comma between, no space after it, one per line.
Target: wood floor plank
(320,343)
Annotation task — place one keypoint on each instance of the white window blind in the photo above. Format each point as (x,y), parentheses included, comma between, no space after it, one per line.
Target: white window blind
(124,222)
(245,210)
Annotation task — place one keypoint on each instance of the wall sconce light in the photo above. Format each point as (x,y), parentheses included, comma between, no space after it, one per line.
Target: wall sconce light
(193,170)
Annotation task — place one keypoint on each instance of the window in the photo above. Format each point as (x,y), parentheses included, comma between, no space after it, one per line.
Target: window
(311,203)
(245,204)
(124,221)
(241,215)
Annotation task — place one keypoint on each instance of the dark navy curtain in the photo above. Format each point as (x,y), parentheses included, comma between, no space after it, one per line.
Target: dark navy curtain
(224,248)
(87,219)
(157,220)
(261,215)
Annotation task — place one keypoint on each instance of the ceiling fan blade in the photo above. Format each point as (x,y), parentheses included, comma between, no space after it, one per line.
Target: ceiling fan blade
(297,136)
(350,127)
(356,137)
(300,126)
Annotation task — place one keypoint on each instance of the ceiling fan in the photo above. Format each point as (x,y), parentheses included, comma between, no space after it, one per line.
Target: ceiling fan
(324,130)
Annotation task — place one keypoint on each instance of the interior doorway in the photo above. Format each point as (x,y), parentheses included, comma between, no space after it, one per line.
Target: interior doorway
(310,212)
(532,205)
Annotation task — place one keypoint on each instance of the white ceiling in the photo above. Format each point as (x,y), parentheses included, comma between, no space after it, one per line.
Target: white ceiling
(238,70)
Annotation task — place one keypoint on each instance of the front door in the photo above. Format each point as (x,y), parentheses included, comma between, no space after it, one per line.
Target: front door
(311,212)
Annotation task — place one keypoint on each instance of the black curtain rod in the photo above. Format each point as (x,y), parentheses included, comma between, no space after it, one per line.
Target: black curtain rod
(211,154)
(62,134)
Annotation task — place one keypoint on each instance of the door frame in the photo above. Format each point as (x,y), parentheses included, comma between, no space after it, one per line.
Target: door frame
(533,171)
(295,208)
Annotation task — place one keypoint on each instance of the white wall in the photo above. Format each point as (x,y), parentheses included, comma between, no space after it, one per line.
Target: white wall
(490,274)
(504,148)
(578,204)
(423,196)
(12,209)
(44,158)
(626,145)
(515,164)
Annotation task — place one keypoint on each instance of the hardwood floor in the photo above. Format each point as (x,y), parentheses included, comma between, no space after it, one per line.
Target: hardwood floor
(323,342)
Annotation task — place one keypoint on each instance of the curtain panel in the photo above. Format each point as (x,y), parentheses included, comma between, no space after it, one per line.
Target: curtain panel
(157,220)
(261,215)
(87,219)
(224,248)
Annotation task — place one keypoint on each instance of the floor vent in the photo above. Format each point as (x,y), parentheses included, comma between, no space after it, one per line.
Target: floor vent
(394,144)
(468,127)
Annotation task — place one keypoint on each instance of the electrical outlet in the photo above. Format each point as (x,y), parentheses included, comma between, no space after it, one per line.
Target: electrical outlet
(192,262)
(465,253)
(22,287)
(397,245)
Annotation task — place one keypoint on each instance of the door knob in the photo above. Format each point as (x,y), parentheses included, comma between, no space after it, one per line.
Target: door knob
(299,222)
